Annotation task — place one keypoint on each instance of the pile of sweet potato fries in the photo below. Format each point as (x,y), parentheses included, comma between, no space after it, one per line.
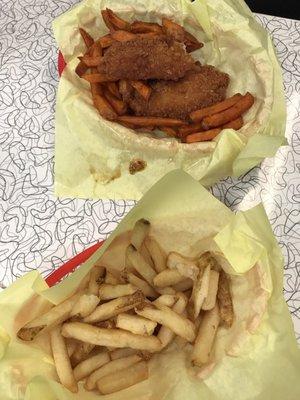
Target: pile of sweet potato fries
(203,124)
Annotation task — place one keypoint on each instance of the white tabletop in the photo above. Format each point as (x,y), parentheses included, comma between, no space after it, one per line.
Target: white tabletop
(39,231)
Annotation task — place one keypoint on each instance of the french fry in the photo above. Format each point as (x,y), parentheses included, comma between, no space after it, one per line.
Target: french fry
(206,336)
(158,255)
(109,337)
(91,61)
(229,114)
(235,124)
(111,368)
(71,346)
(87,38)
(183,285)
(139,232)
(109,292)
(166,335)
(198,115)
(150,121)
(86,367)
(142,88)
(188,129)
(115,307)
(167,317)
(140,264)
(121,353)
(225,300)
(123,379)
(123,36)
(110,324)
(147,35)
(97,78)
(113,88)
(146,255)
(210,300)
(119,106)
(166,299)
(106,41)
(104,108)
(62,361)
(191,43)
(142,285)
(174,30)
(167,277)
(200,290)
(96,89)
(81,69)
(135,324)
(165,290)
(168,131)
(204,136)
(81,352)
(110,279)
(145,27)
(50,319)
(114,22)
(84,306)
(185,266)
(96,278)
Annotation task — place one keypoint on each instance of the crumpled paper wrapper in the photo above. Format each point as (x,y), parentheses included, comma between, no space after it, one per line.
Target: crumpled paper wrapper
(92,155)
(266,363)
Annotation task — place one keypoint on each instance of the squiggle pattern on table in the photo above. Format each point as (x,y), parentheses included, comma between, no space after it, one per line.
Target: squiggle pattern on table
(39,231)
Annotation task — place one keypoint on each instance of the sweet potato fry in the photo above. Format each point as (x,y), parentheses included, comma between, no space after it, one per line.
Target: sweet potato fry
(172,29)
(87,38)
(96,89)
(235,124)
(112,21)
(118,105)
(142,88)
(91,61)
(97,78)
(145,27)
(123,36)
(81,69)
(188,129)
(113,88)
(106,41)
(191,43)
(105,109)
(149,121)
(204,136)
(198,115)
(230,114)
(168,131)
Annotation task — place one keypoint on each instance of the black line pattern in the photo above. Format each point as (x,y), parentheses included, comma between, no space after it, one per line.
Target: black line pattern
(39,231)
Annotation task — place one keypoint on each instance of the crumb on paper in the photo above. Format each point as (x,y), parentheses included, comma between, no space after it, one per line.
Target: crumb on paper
(105,177)
(136,165)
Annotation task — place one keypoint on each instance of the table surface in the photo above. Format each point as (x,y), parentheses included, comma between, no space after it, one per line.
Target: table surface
(39,231)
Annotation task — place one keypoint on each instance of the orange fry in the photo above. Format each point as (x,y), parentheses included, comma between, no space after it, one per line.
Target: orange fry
(142,88)
(96,78)
(198,115)
(168,130)
(150,121)
(147,35)
(191,43)
(113,88)
(113,22)
(230,114)
(106,41)
(123,36)
(104,108)
(186,130)
(145,27)
(87,38)
(203,136)
(91,61)
(81,69)
(235,124)
(128,125)
(118,105)
(174,30)
(96,89)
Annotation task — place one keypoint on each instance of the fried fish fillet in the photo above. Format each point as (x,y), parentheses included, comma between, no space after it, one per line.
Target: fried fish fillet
(146,58)
(200,88)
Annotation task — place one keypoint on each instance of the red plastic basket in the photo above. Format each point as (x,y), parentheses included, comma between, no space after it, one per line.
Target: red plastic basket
(72,264)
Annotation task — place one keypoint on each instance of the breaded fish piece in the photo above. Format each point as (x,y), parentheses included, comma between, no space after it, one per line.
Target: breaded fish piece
(200,88)
(146,58)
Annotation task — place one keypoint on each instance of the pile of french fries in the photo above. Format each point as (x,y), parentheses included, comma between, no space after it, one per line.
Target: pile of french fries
(106,332)
(204,124)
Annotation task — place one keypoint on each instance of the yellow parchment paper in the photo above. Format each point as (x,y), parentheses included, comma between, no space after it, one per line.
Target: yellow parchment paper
(266,362)
(92,156)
